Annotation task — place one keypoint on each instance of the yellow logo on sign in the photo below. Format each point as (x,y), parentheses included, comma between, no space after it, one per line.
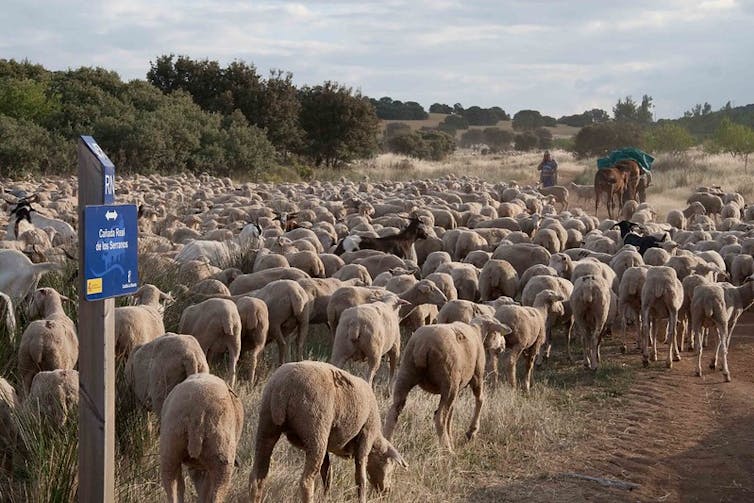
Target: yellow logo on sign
(93,286)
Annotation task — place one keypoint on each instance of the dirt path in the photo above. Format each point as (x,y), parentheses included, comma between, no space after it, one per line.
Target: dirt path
(682,438)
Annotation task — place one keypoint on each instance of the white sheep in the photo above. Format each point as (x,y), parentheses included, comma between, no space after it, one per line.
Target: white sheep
(200,425)
(155,368)
(661,298)
(346,422)
(139,324)
(50,343)
(54,396)
(255,326)
(9,407)
(590,303)
(216,324)
(444,359)
(7,318)
(368,332)
(497,278)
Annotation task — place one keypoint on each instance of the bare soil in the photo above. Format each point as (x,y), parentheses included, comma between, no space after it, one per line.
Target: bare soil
(679,437)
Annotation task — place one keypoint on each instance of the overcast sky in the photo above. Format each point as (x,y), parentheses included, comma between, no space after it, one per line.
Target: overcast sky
(557,57)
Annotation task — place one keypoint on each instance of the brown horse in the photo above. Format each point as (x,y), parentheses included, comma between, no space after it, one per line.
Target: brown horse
(612,182)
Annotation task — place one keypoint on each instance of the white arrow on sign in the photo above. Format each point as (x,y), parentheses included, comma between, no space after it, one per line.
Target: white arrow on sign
(111,215)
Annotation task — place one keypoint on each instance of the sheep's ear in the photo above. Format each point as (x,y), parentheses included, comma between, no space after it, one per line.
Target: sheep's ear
(504,329)
(392,453)
(402,302)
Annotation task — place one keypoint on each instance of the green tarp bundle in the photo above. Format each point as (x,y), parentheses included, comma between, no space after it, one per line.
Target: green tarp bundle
(643,159)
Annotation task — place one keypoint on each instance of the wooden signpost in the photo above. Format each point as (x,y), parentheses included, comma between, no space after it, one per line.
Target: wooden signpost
(107,268)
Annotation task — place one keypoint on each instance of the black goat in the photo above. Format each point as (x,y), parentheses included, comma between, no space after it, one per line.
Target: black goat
(398,244)
(23,210)
(643,243)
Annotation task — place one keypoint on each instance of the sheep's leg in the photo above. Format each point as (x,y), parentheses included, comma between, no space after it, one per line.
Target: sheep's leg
(530,355)
(447,397)
(267,437)
(403,385)
(393,355)
(509,362)
(670,336)
(277,333)
(624,328)
(655,330)
(234,353)
(713,363)
(302,333)
(373,362)
(491,366)
(253,364)
(568,343)
(477,387)
(674,323)
(326,473)
(315,455)
(724,336)
(697,332)
(585,349)
(172,480)
(644,337)
(360,459)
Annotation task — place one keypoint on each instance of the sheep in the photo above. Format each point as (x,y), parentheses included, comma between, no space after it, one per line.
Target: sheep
(423,292)
(465,278)
(254,281)
(332,263)
(533,271)
(152,370)
(656,256)
(289,310)
(216,324)
(528,333)
(679,219)
(522,255)
(477,258)
(9,407)
(47,344)
(623,260)
(54,396)
(708,310)
(712,203)
(200,425)
(629,298)
(496,279)
(351,271)
(444,282)
(346,422)
(255,325)
(590,303)
(661,297)
(540,283)
(265,259)
(465,310)
(548,239)
(562,264)
(368,332)
(433,261)
(558,191)
(209,286)
(307,261)
(590,267)
(18,276)
(137,325)
(583,192)
(741,268)
(443,359)
(7,318)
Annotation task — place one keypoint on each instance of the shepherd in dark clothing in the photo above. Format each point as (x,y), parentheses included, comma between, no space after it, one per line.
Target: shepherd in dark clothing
(548,171)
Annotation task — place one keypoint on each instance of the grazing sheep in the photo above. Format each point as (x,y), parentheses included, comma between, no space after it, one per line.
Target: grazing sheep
(498,278)
(54,396)
(528,334)
(435,260)
(741,268)
(345,421)
(9,407)
(7,318)
(200,425)
(465,278)
(216,324)
(679,219)
(522,255)
(289,309)
(256,280)
(368,332)
(708,310)
(531,272)
(661,298)
(47,344)
(712,203)
(155,368)
(443,359)
(465,310)
(307,261)
(139,324)
(656,256)
(354,271)
(540,283)
(590,303)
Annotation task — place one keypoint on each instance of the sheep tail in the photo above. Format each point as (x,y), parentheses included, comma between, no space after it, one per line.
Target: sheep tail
(659,289)
(195,434)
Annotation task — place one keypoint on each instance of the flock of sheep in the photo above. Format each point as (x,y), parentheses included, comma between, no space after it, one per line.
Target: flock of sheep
(471,272)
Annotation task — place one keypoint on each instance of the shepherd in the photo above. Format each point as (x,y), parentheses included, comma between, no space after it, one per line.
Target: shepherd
(548,170)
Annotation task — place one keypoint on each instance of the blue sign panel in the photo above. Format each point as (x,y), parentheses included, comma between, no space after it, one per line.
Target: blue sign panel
(110,251)
(108,169)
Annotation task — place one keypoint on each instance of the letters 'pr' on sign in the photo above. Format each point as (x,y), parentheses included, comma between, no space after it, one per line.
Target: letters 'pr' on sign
(110,251)
(108,169)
